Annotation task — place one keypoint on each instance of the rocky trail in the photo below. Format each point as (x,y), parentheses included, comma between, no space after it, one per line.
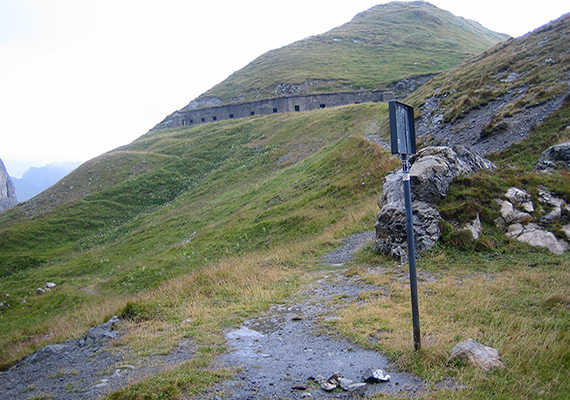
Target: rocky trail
(284,354)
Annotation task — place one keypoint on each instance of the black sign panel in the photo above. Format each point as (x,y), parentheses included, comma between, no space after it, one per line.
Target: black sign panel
(402,130)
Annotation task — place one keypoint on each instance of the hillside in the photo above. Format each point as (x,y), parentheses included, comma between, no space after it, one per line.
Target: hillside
(375,50)
(187,233)
(495,99)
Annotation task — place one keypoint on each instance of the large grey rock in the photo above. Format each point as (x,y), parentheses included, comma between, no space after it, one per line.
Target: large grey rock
(391,229)
(534,235)
(7,189)
(475,353)
(431,173)
(555,157)
(435,168)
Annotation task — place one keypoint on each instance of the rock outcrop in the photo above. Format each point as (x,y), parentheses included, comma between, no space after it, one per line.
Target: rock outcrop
(555,157)
(431,173)
(522,226)
(7,189)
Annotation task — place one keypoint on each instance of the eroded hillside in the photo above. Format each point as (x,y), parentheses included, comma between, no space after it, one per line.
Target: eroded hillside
(495,99)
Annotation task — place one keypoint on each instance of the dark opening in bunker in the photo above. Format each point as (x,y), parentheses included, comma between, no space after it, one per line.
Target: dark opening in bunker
(323,106)
(203,119)
(297,108)
(231,116)
(274,110)
(253,113)
(214,118)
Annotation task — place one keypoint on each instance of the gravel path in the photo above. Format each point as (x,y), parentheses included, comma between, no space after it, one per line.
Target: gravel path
(285,348)
(351,244)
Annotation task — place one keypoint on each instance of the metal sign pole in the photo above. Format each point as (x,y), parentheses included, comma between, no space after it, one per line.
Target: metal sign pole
(403,142)
(411,251)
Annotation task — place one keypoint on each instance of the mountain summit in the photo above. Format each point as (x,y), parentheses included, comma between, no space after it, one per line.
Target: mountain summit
(375,50)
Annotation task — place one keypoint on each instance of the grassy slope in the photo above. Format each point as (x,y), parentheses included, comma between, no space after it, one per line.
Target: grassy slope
(537,64)
(176,201)
(377,48)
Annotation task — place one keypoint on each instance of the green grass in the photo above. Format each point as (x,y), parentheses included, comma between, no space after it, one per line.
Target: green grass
(174,202)
(513,298)
(373,51)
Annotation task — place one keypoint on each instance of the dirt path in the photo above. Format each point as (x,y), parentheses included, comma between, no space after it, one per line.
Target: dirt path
(285,348)
(280,354)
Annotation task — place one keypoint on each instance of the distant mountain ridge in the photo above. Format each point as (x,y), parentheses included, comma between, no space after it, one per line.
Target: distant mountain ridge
(36,179)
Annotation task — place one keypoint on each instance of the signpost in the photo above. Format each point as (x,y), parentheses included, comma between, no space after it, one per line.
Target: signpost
(403,141)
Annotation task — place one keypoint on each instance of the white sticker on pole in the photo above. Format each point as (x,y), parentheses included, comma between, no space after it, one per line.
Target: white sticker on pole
(406,177)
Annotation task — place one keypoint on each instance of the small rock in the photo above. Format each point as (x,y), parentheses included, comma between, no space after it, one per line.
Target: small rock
(357,388)
(517,196)
(375,376)
(344,383)
(475,353)
(307,395)
(40,292)
(299,387)
(328,387)
(475,227)
(50,285)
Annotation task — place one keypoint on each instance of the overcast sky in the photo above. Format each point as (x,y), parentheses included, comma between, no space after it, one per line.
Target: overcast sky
(82,77)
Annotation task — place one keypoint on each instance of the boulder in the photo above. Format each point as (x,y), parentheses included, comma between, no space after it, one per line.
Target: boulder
(520,197)
(555,157)
(558,206)
(510,215)
(534,235)
(431,173)
(476,354)
(435,168)
(101,332)
(391,229)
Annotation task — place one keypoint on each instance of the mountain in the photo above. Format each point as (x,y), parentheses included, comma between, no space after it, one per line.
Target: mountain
(37,179)
(186,233)
(7,190)
(375,50)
